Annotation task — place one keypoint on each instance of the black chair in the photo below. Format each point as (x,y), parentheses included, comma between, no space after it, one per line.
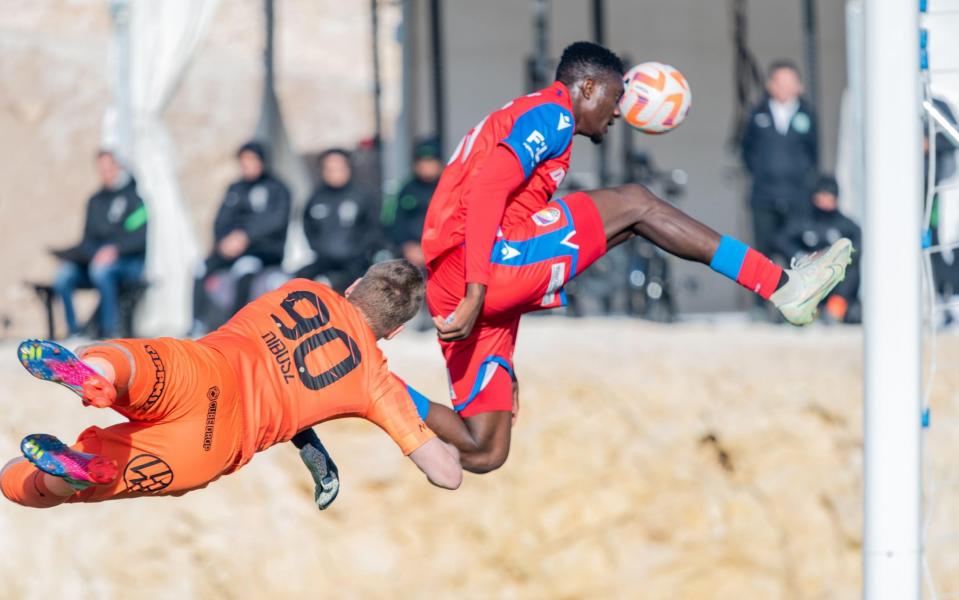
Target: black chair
(130,294)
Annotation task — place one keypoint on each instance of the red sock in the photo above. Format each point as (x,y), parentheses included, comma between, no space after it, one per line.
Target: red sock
(759,274)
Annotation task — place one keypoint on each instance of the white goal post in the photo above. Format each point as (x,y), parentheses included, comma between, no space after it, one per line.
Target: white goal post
(892,548)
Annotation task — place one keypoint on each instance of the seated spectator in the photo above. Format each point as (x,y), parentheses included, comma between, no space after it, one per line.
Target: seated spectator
(406,212)
(340,223)
(112,250)
(823,226)
(249,233)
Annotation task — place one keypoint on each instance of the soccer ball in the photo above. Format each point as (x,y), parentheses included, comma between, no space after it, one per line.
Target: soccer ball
(656,99)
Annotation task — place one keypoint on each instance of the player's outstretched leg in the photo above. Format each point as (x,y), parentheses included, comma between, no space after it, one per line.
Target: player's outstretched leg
(52,362)
(79,469)
(50,472)
(632,209)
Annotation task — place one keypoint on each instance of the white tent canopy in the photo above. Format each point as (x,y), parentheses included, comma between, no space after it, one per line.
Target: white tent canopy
(161,40)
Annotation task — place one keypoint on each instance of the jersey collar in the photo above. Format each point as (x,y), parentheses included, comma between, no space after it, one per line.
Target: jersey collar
(559,93)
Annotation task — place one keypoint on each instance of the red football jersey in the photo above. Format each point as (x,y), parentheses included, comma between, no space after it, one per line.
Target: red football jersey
(538,128)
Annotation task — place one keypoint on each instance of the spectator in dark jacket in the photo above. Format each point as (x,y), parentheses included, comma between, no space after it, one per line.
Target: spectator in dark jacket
(113,247)
(341,223)
(404,214)
(781,152)
(249,231)
(822,226)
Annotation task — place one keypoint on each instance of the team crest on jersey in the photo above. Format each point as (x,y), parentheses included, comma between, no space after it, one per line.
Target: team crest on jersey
(547,216)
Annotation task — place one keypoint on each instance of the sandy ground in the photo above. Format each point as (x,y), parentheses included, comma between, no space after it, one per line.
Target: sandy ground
(688,461)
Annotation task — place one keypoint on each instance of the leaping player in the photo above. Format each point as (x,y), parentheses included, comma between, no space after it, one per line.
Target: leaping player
(201,409)
(497,246)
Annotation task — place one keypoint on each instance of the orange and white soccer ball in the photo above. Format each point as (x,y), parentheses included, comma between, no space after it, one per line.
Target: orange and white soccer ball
(657,98)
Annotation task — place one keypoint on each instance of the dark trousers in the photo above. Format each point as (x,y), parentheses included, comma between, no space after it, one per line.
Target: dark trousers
(245,269)
(107,280)
(768,220)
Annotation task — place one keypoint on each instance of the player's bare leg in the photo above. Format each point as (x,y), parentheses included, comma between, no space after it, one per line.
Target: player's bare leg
(482,440)
(632,209)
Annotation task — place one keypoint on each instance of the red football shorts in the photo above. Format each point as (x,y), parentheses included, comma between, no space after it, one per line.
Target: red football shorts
(531,262)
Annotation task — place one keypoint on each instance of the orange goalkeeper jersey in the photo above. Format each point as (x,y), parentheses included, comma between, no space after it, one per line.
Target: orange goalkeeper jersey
(302,354)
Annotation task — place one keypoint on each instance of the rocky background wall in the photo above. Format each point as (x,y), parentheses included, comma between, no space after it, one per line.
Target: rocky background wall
(55,84)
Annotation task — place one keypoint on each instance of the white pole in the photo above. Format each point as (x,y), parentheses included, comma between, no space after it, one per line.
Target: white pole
(891,254)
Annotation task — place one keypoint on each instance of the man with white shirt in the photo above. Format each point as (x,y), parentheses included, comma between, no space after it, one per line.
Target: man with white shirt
(781,151)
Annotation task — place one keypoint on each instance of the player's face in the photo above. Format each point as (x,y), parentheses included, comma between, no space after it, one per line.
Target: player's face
(825,201)
(428,169)
(784,85)
(601,107)
(108,169)
(336,170)
(251,167)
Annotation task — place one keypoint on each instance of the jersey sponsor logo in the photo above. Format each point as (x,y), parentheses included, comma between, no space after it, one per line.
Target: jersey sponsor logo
(211,394)
(118,206)
(535,144)
(801,122)
(565,122)
(347,212)
(259,196)
(558,175)
(557,276)
(159,376)
(319,211)
(147,473)
(509,252)
(280,354)
(547,216)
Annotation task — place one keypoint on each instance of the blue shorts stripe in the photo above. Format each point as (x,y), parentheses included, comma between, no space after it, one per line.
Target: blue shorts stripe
(481,376)
(545,247)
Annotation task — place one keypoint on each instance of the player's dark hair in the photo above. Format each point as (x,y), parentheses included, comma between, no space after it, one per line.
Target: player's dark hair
(783,63)
(256,148)
(389,295)
(586,59)
(337,151)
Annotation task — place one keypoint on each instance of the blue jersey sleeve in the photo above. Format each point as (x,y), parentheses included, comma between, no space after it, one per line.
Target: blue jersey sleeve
(543,132)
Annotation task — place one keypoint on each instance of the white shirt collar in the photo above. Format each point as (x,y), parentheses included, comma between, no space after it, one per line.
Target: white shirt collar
(783,113)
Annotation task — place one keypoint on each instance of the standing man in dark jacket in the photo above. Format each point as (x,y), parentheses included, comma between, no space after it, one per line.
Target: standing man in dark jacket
(341,223)
(781,152)
(405,213)
(818,230)
(113,247)
(249,231)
